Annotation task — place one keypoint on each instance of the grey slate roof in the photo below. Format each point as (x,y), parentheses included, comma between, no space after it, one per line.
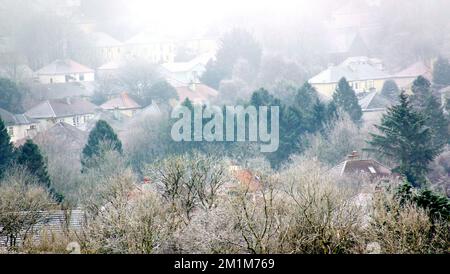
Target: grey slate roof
(16,119)
(54,221)
(374,101)
(352,71)
(55,108)
(370,167)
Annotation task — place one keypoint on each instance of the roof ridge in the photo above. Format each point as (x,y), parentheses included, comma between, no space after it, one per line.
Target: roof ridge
(51,107)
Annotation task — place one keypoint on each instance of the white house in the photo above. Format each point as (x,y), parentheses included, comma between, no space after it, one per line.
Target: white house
(151,47)
(19,126)
(186,72)
(64,71)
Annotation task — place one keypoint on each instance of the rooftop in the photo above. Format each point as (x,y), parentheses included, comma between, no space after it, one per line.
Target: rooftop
(197,93)
(353,69)
(15,119)
(355,166)
(66,107)
(66,66)
(123,101)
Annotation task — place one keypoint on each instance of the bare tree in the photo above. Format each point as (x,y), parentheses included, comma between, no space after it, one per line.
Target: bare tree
(22,201)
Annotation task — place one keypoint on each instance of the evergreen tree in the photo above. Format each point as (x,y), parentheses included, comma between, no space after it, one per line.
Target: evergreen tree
(320,117)
(345,99)
(390,90)
(405,138)
(307,103)
(10,97)
(441,72)
(437,121)
(6,148)
(101,135)
(305,98)
(30,157)
(421,89)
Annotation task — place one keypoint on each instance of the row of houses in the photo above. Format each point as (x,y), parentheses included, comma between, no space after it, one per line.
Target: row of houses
(366,75)
(155,48)
(77,112)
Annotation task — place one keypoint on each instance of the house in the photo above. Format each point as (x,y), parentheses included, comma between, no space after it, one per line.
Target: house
(49,223)
(122,104)
(354,166)
(73,111)
(186,72)
(64,71)
(200,45)
(197,93)
(151,47)
(363,74)
(64,135)
(20,126)
(107,47)
(183,72)
(406,76)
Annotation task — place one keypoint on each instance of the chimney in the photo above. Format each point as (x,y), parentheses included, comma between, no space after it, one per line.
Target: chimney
(353,156)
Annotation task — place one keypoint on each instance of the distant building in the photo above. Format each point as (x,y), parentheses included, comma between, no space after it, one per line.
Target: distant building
(200,45)
(73,111)
(122,104)
(64,71)
(107,47)
(19,126)
(354,166)
(64,135)
(151,47)
(197,93)
(186,72)
(363,74)
(406,76)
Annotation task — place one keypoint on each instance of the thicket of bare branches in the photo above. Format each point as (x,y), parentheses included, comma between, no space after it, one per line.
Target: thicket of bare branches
(194,204)
(22,201)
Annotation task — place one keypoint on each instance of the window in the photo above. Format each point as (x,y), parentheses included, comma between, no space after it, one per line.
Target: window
(81,77)
(355,85)
(370,84)
(74,121)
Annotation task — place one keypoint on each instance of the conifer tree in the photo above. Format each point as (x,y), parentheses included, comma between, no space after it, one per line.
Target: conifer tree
(390,90)
(441,72)
(405,138)
(6,148)
(421,89)
(30,157)
(101,135)
(437,121)
(345,98)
